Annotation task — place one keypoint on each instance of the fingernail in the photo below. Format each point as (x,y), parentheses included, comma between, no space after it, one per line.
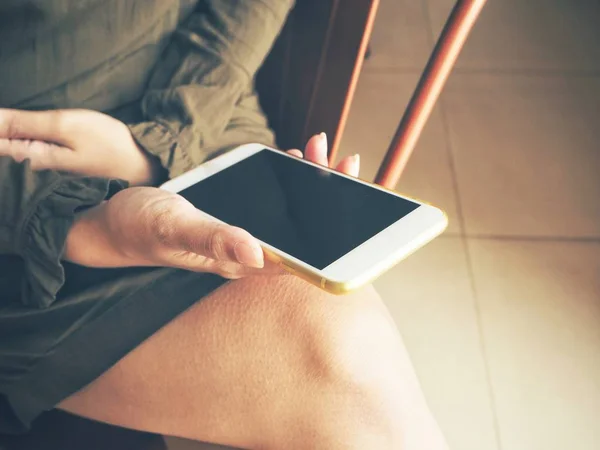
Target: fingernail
(357,159)
(249,255)
(323,136)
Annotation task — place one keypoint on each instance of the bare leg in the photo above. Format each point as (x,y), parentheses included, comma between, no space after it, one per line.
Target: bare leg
(271,363)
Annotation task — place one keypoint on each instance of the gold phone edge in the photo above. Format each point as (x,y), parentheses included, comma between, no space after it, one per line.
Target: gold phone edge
(341,288)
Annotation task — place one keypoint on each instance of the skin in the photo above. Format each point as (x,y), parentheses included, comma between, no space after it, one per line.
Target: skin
(265,362)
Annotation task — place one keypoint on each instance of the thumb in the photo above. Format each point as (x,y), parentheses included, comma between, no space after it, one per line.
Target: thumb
(215,240)
(34,125)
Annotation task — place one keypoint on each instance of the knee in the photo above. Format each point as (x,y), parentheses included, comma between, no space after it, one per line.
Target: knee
(354,371)
(338,373)
(350,338)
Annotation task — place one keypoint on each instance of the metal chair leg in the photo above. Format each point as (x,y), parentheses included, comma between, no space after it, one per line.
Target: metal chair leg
(440,64)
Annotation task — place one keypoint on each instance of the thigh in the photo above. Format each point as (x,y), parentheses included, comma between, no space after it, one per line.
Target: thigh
(228,369)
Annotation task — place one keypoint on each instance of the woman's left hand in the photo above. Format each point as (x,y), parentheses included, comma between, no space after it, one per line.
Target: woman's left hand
(78,141)
(91,143)
(316,151)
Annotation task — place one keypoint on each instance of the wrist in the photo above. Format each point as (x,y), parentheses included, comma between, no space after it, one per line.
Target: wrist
(150,172)
(89,242)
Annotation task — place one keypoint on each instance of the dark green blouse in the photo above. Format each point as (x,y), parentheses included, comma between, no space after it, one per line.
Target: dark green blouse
(179,73)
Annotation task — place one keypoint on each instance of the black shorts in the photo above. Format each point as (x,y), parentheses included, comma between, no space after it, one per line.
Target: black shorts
(101,314)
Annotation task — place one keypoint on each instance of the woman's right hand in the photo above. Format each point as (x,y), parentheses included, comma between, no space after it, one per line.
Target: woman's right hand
(146,226)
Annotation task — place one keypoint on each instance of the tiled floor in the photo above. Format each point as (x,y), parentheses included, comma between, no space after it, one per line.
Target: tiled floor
(502,314)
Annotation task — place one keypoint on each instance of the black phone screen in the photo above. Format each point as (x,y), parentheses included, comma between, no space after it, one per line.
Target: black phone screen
(307,212)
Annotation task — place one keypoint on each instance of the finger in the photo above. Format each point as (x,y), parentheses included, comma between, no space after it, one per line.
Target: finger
(316,149)
(34,125)
(234,271)
(15,148)
(349,165)
(295,152)
(207,237)
(226,269)
(43,155)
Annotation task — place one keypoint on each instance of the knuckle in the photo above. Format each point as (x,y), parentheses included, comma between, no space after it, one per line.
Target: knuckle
(163,227)
(20,150)
(10,124)
(12,148)
(229,274)
(214,245)
(27,149)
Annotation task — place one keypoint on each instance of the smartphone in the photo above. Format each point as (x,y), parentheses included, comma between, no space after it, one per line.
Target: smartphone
(333,230)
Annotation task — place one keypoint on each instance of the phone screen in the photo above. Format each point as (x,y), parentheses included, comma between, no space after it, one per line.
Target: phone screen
(302,210)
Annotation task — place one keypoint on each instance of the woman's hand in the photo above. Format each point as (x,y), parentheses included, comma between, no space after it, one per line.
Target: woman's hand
(76,140)
(152,227)
(316,151)
(91,143)
(145,226)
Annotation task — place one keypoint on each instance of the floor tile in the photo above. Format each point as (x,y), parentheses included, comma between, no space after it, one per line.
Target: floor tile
(529,35)
(430,298)
(526,153)
(540,309)
(401,37)
(376,112)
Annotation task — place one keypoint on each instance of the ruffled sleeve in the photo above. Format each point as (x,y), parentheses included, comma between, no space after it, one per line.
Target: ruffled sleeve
(202,78)
(37,210)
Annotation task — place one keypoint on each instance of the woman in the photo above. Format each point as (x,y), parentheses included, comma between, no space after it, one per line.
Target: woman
(266,361)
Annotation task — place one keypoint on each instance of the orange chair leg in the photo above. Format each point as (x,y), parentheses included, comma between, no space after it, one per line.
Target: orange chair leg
(440,64)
